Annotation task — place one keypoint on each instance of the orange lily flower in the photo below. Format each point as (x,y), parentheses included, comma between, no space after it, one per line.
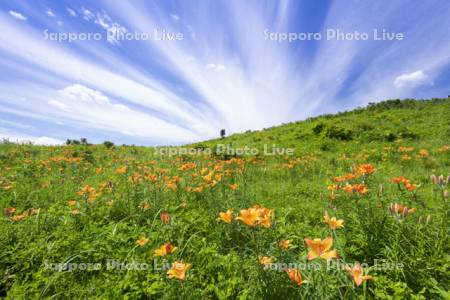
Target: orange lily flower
(348,188)
(121,170)
(87,189)
(400,179)
(295,276)
(285,244)
(265,217)
(165,249)
(265,260)
(333,222)
(18,218)
(405,149)
(144,205)
(349,176)
(423,153)
(410,187)
(142,241)
(256,215)
(249,216)
(71,202)
(90,192)
(94,196)
(178,270)
(339,179)
(208,178)
(187,166)
(234,186)
(332,187)
(227,216)
(198,189)
(361,188)
(152,177)
(357,274)
(406,183)
(366,169)
(321,248)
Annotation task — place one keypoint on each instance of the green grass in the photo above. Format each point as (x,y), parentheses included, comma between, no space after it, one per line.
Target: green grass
(92,232)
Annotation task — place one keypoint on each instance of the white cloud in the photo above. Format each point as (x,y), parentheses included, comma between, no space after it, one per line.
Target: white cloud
(59,105)
(82,93)
(121,107)
(114,29)
(50,13)
(26,139)
(411,79)
(44,140)
(72,12)
(174,17)
(215,67)
(220,68)
(17,15)
(87,14)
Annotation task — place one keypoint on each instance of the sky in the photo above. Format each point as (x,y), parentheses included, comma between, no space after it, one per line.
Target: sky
(176,72)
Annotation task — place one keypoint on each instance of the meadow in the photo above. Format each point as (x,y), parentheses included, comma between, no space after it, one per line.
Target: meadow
(358,210)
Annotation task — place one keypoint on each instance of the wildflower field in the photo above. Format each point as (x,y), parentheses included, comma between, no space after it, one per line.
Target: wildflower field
(359,210)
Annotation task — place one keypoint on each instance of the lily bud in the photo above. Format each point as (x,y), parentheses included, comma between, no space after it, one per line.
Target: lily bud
(405,212)
(165,217)
(434,179)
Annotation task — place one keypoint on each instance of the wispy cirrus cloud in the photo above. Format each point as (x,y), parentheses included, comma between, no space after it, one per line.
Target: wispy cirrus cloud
(72,12)
(50,13)
(17,15)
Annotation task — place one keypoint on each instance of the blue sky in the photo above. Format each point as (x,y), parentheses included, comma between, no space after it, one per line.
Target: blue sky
(228,68)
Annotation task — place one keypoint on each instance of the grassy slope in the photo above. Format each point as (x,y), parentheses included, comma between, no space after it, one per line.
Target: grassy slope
(371,126)
(222,255)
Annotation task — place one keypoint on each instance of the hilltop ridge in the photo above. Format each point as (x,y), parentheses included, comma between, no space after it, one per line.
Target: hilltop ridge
(378,123)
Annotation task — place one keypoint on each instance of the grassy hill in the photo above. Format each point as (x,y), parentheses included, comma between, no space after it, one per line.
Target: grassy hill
(413,121)
(362,188)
